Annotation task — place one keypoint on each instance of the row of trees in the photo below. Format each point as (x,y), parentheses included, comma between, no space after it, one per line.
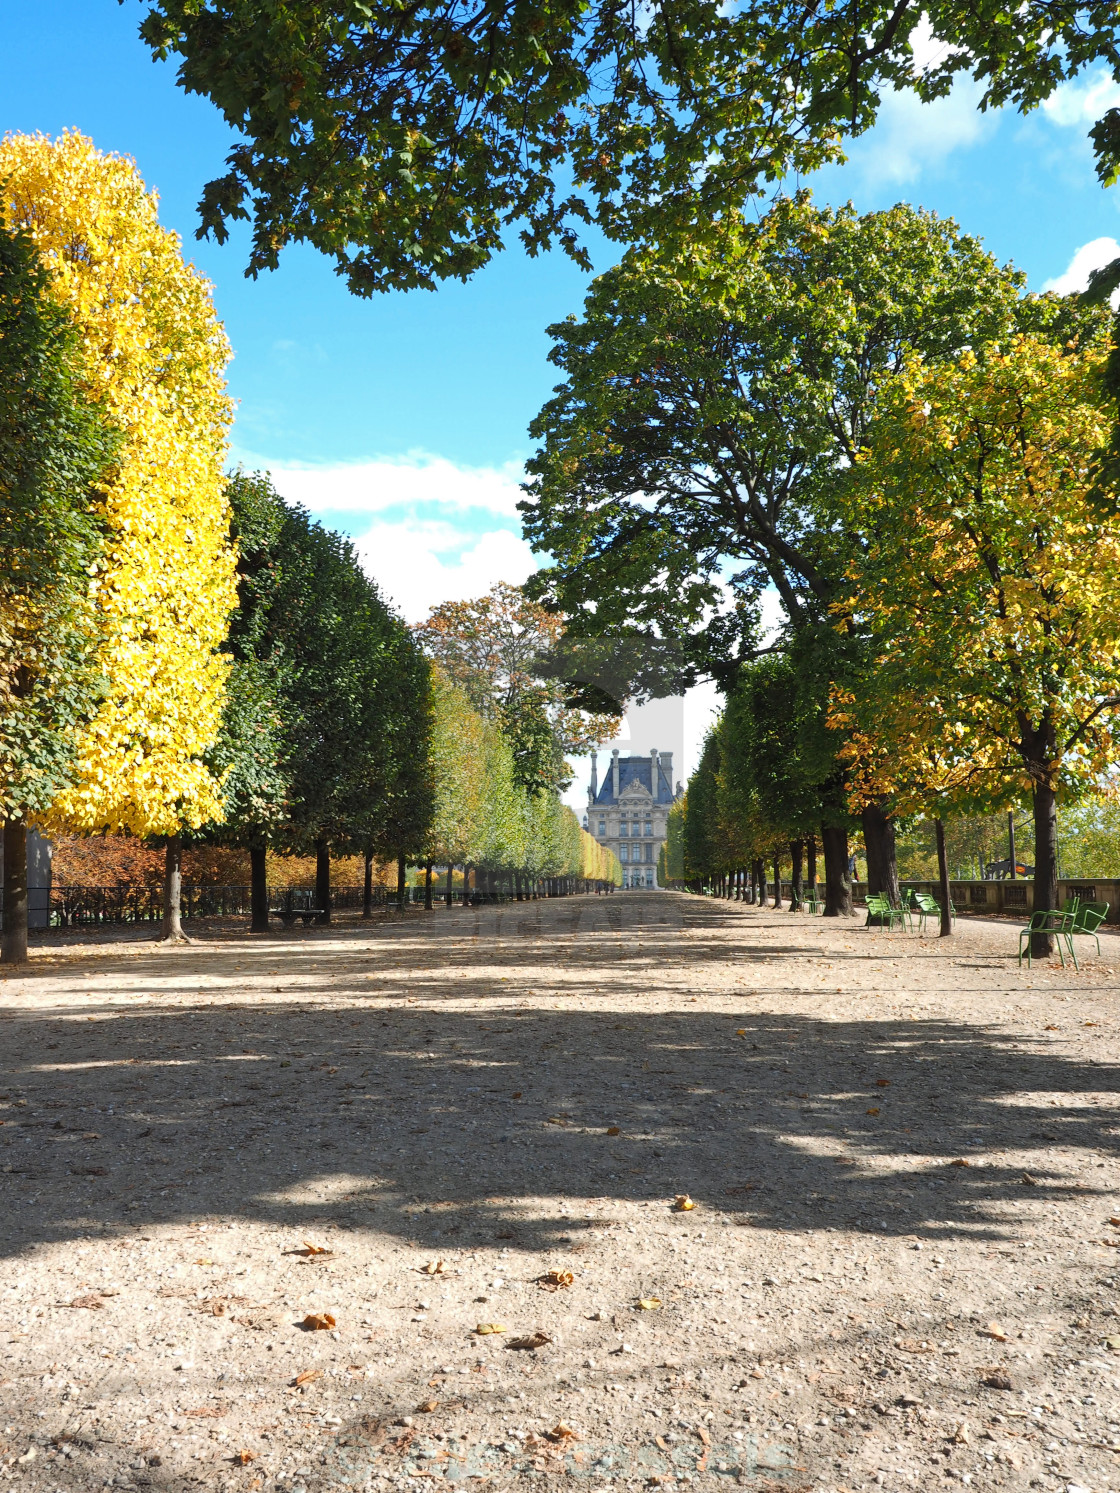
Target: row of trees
(868,417)
(183,654)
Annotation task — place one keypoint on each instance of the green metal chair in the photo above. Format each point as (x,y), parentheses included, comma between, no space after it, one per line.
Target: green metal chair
(930,910)
(1049,921)
(812,901)
(886,916)
(1087,919)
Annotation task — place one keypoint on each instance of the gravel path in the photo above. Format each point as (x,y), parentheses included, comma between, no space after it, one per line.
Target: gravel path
(900,1270)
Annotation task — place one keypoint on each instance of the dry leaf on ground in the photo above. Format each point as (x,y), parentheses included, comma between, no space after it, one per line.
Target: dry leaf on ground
(207,1412)
(994,1330)
(649,1303)
(614,1130)
(561,1431)
(433,1267)
(307,1377)
(484,1328)
(874,1110)
(529,1343)
(316,1249)
(317,1322)
(683,1203)
(244,1456)
(959,1161)
(555,1280)
(88,1303)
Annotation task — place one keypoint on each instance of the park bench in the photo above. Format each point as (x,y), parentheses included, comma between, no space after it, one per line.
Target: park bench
(298,904)
(1047,920)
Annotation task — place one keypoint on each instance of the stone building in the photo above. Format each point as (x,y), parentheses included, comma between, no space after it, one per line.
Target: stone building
(629,813)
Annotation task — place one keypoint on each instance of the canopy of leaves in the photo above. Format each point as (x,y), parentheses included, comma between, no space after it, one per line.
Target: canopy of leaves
(55,447)
(406,140)
(496,648)
(989,579)
(153,356)
(710,400)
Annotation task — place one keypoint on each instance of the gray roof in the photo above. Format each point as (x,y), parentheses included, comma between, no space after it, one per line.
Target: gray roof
(635,770)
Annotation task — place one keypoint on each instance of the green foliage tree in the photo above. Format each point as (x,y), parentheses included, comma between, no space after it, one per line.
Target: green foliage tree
(55,445)
(406,142)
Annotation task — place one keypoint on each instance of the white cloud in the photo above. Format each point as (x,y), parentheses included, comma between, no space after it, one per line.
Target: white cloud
(418,565)
(1083,100)
(911,137)
(417,480)
(1091,256)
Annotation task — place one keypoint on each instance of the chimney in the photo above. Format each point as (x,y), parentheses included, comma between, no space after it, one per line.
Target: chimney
(616,775)
(667,768)
(653,771)
(593,791)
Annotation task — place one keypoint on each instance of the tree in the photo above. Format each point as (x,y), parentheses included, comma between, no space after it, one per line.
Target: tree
(990,574)
(497,649)
(250,756)
(712,396)
(55,448)
(153,357)
(406,142)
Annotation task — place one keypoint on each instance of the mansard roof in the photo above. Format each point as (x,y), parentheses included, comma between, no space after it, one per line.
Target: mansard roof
(635,772)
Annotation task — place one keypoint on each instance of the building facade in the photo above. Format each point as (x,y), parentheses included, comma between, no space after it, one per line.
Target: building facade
(629,812)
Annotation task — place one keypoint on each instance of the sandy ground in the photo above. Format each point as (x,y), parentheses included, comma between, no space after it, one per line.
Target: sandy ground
(900,1270)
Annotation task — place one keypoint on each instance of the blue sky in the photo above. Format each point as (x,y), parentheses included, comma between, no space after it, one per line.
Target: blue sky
(403,420)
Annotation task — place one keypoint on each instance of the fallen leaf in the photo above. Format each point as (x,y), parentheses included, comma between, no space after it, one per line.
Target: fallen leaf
(204,1262)
(316,1249)
(484,1328)
(996,1380)
(207,1412)
(882,1083)
(317,1322)
(530,1343)
(561,1431)
(959,1161)
(433,1267)
(994,1330)
(874,1110)
(962,1436)
(741,1031)
(683,1203)
(1028,1181)
(517,1095)
(307,1377)
(1051,1028)
(1115,1222)
(89,1303)
(1112,1344)
(555,1280)
(427,1407)
(649,1303)
(244,1457)
(613,1130)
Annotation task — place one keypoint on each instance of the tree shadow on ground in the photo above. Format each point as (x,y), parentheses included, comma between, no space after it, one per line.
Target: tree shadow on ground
(403,1110)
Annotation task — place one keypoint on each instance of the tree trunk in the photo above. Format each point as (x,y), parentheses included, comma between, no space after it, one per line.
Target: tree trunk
(323,879)
(777,882)
(811,854)
(796,850)
(171,925)
(838,881)
(13,946)
(760,881)
(449,894)
(882,854)
(943,879)
(258,889)
(367,886)
(1045,864)
(428,887)
(402,877)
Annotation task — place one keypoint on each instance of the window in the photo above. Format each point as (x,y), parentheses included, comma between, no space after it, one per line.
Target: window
(624,853)
(602,828)
(649,852)
(649,826)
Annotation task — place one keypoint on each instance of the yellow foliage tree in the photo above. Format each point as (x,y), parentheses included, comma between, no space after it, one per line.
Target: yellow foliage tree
(989,584)
(155,356)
